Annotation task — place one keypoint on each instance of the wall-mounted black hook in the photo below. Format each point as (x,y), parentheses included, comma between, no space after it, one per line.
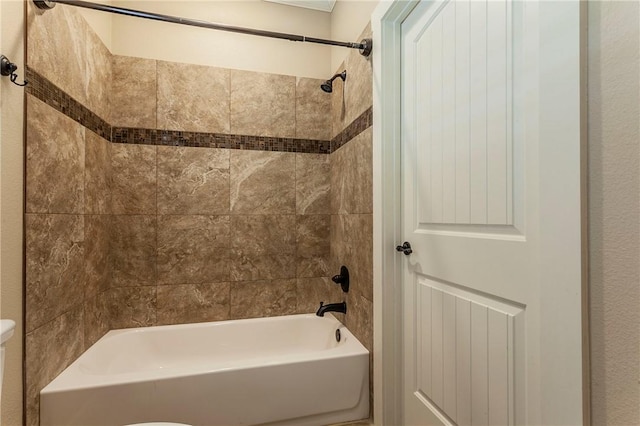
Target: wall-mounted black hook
(9,68)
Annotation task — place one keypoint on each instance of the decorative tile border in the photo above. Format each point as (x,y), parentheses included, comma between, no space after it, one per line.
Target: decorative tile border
(217,140)
(357,126)
(55,97)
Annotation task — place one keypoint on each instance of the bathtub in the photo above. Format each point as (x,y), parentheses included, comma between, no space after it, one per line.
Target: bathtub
(288,370)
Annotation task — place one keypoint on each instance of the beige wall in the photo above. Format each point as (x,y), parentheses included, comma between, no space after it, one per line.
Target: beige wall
(348,18)
(177,43)
(614,205)
(100,22)
(12,24)
(207,47)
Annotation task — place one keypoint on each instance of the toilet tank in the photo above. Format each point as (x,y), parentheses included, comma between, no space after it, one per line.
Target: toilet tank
(6,331)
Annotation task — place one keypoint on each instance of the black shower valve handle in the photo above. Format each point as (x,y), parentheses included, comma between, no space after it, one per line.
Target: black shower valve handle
(342,279)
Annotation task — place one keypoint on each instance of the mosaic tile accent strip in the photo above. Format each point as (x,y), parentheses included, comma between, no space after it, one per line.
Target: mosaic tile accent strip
(357,126)
(55,97)
(217,140)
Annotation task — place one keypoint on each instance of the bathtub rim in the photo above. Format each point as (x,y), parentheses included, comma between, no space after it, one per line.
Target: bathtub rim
(74,378)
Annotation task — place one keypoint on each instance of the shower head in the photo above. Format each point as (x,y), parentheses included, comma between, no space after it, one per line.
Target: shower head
(327,86)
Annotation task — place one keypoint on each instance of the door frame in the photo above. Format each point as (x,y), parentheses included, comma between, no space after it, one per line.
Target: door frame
(386,23)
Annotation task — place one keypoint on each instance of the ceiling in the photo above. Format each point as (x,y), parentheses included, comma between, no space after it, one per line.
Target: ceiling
(323,5)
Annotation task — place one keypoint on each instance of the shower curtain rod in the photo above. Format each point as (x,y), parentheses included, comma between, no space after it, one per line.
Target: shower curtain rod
(364,46)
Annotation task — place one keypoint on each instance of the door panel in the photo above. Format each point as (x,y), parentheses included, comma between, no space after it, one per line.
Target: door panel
(465,113)
(473,150)
(465,353)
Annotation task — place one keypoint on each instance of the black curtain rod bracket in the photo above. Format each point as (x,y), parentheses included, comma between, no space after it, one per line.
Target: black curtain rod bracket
(8,68)
(364,46)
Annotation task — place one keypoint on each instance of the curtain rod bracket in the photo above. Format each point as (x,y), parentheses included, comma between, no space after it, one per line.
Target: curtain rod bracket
(365,46)
(8,68)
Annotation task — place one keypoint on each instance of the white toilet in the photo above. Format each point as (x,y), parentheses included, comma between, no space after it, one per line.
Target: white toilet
(158,424)
(6,328)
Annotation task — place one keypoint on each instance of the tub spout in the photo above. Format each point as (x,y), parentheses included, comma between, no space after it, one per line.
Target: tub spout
(332,307)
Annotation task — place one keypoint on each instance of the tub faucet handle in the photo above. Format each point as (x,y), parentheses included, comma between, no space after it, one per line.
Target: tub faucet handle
(342,279)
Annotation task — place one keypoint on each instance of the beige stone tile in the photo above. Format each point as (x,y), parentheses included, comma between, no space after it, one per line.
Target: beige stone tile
(262,182)
(99,76)
(338,103)
(193,249)
(54,266)
(247,267)
(312,291)
(264,234)
(262,247)
(352,246)
(359,84)
(55,154)
(132,307)
(179,304)
(313,110)
(315,266)
(133,179)
(193,180)
(263,104)
(263,298)
(359,318)
(97,229)
(359,229)
(352,176)
(313,245)
(97,174)
(338,178)
(132,255)
(97,318)
(133,94)
(56,48)
(313,184)
(49,350)
(193,98)
(355,95)
(362,192)
(338,241)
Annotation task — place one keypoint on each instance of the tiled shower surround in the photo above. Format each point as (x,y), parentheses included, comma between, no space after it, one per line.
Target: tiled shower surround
(163,193)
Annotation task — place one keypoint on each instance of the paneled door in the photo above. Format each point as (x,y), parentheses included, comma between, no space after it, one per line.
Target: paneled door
(491,207)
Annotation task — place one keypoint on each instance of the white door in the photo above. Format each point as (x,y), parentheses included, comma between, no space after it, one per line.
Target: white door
(491,206)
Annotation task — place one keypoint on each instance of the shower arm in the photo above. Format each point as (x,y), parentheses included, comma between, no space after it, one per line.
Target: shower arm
(364,46)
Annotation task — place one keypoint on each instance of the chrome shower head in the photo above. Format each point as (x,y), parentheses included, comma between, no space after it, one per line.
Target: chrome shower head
(327,86)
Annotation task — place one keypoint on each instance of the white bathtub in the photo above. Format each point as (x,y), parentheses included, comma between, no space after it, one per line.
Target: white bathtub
(285,370)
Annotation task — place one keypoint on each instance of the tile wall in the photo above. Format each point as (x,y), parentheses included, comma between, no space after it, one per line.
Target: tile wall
(213,234)
(66,227)
(133,234)
(352,192)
